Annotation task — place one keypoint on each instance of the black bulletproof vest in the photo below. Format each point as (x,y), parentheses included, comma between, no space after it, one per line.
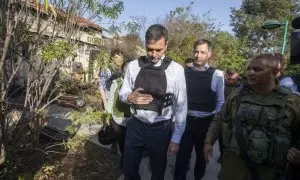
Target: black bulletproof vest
(154,82)
(200,95)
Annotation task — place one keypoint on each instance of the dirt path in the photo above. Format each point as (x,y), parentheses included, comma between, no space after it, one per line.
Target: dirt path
(212,168)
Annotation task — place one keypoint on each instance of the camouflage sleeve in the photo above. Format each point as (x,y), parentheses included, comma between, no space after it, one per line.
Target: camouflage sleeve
(215,127)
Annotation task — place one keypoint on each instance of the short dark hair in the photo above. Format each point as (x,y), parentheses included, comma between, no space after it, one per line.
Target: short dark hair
(156,32)
(188,60)
(230,71)
(273,59)
(203,41)
(116,52)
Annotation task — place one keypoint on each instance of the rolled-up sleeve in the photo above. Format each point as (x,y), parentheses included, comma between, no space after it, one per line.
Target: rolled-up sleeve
(215,127)
(127,86)
(180,106)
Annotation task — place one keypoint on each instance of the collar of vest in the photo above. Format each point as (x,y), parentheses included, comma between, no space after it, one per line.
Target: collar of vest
(209,69)
(145,62)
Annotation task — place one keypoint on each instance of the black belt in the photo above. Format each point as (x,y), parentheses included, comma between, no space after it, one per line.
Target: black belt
(210,117)
(156,124)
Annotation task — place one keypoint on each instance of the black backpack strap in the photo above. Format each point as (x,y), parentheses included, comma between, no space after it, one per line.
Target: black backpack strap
(144,62)
(165,63)
(211,70)
(239,135)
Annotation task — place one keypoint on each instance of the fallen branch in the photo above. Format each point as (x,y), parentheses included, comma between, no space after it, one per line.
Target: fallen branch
(46,105)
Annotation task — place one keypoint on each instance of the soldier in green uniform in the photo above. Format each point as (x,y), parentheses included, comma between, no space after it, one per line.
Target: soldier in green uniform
(232,81)
(259,124)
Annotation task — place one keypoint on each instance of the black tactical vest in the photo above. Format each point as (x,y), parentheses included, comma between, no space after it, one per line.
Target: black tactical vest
(154,82)
(200,95)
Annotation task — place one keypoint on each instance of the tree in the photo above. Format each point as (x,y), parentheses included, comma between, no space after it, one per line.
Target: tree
(44,44)
(248,19)
(131,41)
(227,52)
(185,28)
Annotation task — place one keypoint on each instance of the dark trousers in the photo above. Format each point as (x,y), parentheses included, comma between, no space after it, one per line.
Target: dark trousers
(194,135)
(295,172)
(141,137)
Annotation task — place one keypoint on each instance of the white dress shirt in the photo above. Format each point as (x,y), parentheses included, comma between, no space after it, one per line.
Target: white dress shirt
(175,84)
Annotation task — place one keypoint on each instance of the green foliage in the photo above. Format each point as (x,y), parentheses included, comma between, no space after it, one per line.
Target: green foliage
(69,87)
(57,50)
(185,28)
(42,113)
(75,143)
(103,60)
(133,27)
(183,50)
(292,69)
(93,9)
(89,116)
(46,171)
(227,52)
(248,19)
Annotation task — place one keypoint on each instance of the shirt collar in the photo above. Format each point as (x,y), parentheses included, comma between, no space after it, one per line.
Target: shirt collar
(160,61)
(206,66)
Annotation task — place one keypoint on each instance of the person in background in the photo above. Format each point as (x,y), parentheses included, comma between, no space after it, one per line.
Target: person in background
(205,91)
(105,74)
(284,81)
(120,111)
(188,62)
(232,81)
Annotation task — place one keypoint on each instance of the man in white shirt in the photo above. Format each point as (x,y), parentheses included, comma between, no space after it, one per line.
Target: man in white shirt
(155,87)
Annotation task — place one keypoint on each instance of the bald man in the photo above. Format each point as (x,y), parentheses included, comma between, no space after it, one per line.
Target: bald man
(259,124)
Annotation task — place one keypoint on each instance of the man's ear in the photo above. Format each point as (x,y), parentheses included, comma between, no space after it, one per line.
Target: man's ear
(209,54)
